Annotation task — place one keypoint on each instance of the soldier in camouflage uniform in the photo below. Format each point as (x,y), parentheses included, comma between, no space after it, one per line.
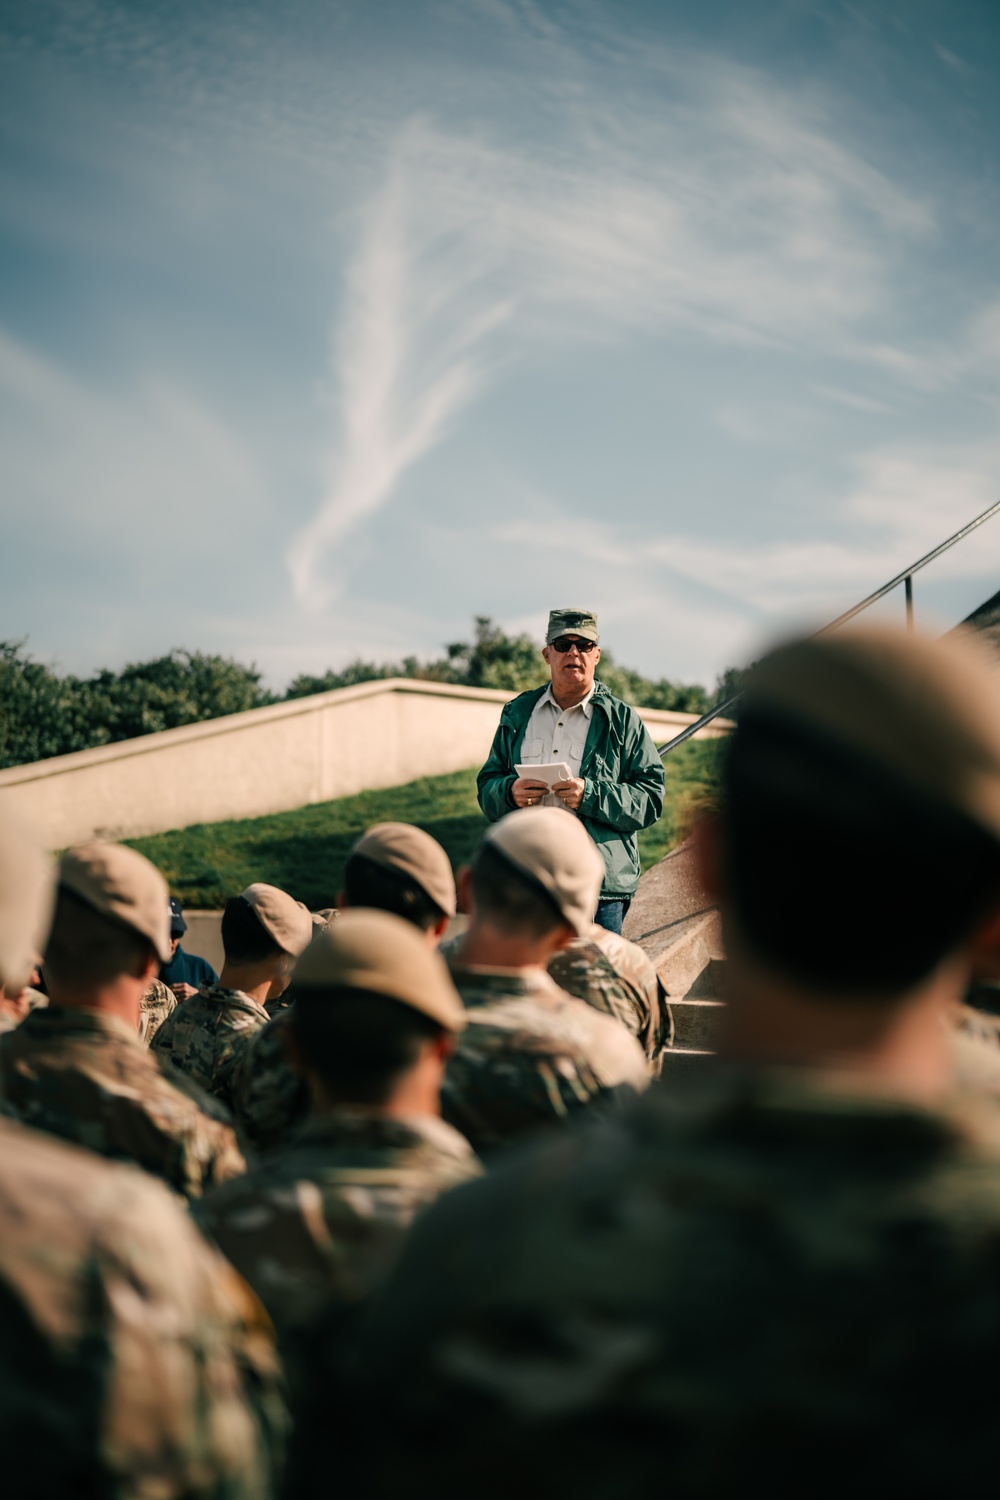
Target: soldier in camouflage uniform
(374,1020)
(531,1055)
(618,978)
(78,1069)
(263,932)
(158,1001)
(787,1267)
(128,1366)
(393,867)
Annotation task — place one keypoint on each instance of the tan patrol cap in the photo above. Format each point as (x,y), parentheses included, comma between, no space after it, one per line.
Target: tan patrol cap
(27,891)
(411,851)
(581,622)
(926,710)
(380,952)
(288,921)
(553,848)
(121,883)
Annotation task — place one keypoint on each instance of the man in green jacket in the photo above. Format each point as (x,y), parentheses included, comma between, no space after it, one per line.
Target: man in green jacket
(616,781)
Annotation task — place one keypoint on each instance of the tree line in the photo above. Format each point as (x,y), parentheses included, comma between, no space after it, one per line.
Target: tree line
(45,713)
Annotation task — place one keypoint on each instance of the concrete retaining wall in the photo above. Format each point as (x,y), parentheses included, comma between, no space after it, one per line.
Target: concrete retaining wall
(353,739)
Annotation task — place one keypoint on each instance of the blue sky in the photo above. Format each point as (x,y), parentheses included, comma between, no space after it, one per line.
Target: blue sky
(324,326)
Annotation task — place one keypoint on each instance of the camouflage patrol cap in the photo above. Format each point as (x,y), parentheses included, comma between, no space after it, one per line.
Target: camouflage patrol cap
(926,710)
(120,883)
(411,851)
(27,889)
(581,622)
(286,920)
(554,849)
(383,953)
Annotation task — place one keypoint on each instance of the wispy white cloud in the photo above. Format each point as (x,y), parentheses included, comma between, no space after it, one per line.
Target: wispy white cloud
(723,208)
(412,354)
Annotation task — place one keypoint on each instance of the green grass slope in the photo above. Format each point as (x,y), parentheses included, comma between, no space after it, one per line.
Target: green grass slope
(304,851)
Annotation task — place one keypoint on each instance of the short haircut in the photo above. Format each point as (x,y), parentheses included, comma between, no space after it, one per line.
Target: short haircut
(369,884)
(244,937)
(511,900)
(87,948)
(839,875)
(358,1043)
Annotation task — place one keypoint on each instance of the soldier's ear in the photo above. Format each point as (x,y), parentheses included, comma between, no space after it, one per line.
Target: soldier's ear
(986,947)
(445,1045)
(148,969)
(564,936)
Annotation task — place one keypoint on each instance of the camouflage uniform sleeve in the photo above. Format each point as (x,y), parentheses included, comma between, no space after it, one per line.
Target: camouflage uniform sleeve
(157,1003)
(233,1047)
(209,1381)
(171,1136)
(132,1361)
(495,1095)
(270,1100)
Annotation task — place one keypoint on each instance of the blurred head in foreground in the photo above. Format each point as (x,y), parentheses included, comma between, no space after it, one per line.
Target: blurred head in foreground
(375,1016)
(856,855)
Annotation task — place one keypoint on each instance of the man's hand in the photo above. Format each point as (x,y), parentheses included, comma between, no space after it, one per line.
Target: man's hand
(528,793)
(184,991)
(570,793)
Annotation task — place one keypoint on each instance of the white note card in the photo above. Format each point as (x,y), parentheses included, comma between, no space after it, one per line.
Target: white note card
(550,774)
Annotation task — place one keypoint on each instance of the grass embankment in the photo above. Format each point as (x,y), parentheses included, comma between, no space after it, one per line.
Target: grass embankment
(304,851)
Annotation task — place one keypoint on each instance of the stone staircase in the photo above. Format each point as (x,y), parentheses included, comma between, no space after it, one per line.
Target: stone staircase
(672,920)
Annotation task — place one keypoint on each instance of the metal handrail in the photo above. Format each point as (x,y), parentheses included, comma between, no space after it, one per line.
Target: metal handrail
(905,577)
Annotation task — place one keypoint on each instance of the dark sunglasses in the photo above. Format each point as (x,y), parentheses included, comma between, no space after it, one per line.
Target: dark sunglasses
(564,643)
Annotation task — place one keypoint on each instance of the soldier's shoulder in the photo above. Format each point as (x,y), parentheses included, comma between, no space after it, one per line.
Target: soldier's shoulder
(55,1192)
(538,1019)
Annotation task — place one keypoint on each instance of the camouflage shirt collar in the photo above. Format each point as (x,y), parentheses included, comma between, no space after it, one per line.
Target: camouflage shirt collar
(346,1126)
(480,984)
(218,994)
(53,1020)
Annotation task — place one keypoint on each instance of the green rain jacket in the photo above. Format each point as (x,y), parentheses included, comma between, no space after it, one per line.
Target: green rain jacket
(622,769)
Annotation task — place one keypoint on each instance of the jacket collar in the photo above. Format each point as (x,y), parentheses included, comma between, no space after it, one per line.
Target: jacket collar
(53,1020)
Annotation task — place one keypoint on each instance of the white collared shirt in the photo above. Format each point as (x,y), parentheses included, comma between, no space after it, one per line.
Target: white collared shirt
(554,733)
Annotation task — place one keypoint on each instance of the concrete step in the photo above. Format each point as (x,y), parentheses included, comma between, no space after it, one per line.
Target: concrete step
(678,1061)
(696,1023)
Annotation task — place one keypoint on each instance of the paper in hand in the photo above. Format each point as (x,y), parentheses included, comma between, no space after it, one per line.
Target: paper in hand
(550,774)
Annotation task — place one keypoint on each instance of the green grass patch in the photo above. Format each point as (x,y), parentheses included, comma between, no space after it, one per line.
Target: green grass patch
(304,852)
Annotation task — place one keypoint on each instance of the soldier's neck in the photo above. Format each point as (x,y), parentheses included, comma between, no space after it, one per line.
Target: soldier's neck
(248,980)
(899,1047)
(487,947)
(121,998)
(417,1093)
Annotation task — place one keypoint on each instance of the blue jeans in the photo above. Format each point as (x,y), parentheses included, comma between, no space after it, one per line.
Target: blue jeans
(611,914)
